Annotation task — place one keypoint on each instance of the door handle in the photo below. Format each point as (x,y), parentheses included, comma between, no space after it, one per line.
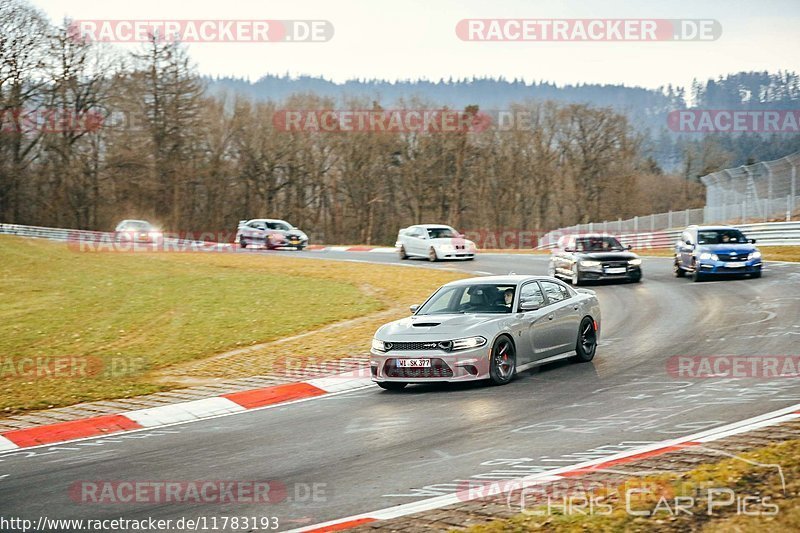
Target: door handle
(574,307)
(550,317)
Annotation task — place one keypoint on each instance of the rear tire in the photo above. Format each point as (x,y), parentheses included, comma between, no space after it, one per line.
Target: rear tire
(586,346)
(503,364)
(392,385)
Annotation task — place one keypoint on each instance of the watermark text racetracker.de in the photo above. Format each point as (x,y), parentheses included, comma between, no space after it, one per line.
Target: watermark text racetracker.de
(203,31)
(588,30)
(69,367)
(734,121)
(733,366)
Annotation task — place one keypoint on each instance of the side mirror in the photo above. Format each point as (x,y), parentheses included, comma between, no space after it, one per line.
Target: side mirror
(414,308)
(528,306)
(687,243)
(629,247)
(569,249)
(752,241)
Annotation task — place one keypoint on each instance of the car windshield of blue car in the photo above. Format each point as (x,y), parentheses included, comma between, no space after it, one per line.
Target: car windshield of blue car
(597,244)
(720,236)
(467,299)
(442,233)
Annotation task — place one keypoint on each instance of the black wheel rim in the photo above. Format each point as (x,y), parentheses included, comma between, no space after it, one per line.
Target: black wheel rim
(588,337)
(504,359)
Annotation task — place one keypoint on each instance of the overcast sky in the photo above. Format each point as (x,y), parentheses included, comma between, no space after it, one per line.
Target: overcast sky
(416,39)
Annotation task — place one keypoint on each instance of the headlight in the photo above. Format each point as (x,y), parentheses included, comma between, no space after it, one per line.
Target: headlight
(469,342)
(446,247)
(754,255)
(635,262)
(705,256)
(378,346)
(589,263)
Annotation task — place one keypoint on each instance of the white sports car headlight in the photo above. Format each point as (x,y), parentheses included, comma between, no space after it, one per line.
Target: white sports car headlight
(467,343)
(378,345)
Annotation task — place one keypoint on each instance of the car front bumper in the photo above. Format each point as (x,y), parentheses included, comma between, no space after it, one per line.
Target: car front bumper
(727,267)
(597,274)
(464,365)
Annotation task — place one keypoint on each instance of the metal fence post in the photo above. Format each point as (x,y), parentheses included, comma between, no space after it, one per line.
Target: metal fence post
(669,219)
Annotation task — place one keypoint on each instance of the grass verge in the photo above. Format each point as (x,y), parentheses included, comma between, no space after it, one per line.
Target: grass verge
(78,326)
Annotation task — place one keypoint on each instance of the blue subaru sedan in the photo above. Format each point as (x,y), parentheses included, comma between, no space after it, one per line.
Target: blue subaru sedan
(706,251)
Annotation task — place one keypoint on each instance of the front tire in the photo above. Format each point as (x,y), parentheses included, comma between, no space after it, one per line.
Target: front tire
(402,253)
(696,275)
(576,276)
(392,385)
(677,270)
(756,274)
(432,257)
(242,242)
(503,364)
(586,346)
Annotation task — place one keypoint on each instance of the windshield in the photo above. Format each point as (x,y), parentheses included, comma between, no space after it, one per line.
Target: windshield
(280,226)
(135,225)
(461,299)
(597,244)
(720,236)
(442,233)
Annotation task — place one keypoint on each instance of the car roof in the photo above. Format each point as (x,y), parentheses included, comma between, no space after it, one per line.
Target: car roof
(431,226)
(711,227)
(267,220)
(500,280)
(129,220)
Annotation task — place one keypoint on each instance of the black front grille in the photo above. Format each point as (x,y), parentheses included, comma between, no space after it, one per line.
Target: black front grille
(430,345)
(731,258)
(615,264)
(438,369)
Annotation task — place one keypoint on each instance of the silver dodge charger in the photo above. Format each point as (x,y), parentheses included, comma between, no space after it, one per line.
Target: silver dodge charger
(486,328)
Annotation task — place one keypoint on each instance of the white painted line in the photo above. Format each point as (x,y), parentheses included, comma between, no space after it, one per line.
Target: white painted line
(183,412)
(751,427)
(384,250)
(6,444)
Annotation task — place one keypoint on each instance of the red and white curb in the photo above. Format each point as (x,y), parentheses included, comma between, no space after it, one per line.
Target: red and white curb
(227,404)
(500,487)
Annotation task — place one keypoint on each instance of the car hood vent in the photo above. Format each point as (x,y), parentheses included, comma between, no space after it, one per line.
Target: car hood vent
(425,324)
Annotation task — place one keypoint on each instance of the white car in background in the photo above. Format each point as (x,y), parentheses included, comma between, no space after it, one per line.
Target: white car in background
(433,242)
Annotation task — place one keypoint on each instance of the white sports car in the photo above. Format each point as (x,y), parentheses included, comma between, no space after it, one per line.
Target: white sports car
(433,242)
(487,328)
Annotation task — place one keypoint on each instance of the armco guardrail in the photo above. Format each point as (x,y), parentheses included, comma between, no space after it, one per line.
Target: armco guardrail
(767,234)
(79,236)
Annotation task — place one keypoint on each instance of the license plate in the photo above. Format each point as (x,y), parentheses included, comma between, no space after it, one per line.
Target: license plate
(414,363)
(295,241)
(620,270)
(734,265)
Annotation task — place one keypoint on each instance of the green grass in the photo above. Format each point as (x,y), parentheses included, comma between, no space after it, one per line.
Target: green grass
(141,312)
(770,253)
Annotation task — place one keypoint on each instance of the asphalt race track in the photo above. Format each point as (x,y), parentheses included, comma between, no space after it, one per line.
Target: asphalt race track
(369,449)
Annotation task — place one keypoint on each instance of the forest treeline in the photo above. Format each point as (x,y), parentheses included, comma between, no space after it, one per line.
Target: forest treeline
(90,135)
